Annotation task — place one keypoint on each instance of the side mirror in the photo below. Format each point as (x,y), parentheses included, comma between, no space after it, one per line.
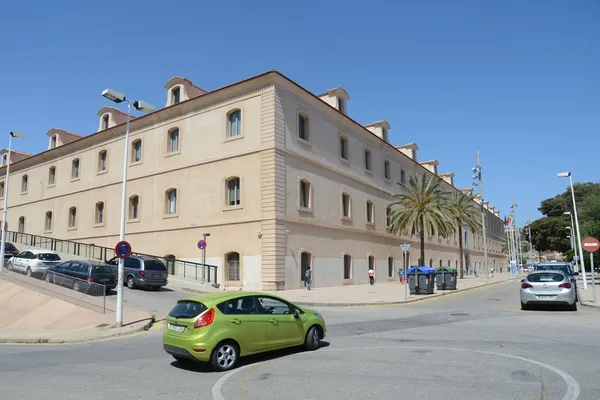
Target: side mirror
(296,314)
(522,280)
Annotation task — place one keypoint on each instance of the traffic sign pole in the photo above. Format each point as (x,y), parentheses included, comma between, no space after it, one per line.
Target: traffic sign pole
(405,247)
(591,245)
(593,277)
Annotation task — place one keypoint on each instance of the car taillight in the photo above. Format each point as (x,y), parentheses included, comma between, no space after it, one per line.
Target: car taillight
(141,273)
(36,256)
(90,279)
(565,285)
(205,319)
(526,285)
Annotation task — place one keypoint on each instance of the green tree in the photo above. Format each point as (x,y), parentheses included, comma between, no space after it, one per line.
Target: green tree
(465,215)
(421,208)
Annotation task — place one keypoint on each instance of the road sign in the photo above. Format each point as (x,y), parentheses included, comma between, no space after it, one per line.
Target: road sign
(590,244)
(202,244)
(405,247)
(123,249)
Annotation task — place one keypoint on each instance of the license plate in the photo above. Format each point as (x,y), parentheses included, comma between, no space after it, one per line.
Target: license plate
(156,276)
(104,280)
(547,297)
(176,328)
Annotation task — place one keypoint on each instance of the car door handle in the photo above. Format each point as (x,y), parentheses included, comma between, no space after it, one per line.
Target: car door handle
(274,321)
(236,321)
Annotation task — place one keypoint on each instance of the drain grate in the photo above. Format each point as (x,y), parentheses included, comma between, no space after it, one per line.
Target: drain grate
(460,314)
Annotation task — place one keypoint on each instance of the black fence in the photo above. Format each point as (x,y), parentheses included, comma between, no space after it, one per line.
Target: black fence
(187,269)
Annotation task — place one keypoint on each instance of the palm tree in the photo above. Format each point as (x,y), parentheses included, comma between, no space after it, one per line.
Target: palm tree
(420,208)
(464,214)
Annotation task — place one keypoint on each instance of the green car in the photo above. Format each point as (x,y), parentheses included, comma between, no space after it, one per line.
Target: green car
(222,327)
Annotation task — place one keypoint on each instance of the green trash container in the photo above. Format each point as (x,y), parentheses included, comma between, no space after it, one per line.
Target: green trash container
(426,280)
(445,278)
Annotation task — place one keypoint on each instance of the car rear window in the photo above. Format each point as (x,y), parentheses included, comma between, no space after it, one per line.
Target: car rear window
(102,269)
(562,268)
(187,309)
(549,277)
(154,265)
(9,247)
(49,257)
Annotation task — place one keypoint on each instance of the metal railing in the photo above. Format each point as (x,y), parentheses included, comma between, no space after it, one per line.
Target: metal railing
(78,285)
(185,269)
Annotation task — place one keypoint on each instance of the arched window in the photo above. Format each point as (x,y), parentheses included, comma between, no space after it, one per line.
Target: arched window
(370,212)
(134,207)
(305,194)
(72,217)
(136,151)
(53,141)
(305,264)
(1,190)
(173,144)
(346,205)
(51,176)
(388,216)
(175,95)
(75,169)
(105,119)
(24,184)
(386,170)
(371,262)
(233,266)
(99,218)
(234,122)
(21,224)
(233,191)
(48,221)
(390,266)
(347,266)
(171,201)
(384,134)
(368,164)
(303,131)
(102,160)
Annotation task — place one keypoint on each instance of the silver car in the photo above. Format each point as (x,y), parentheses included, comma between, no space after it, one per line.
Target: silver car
(548,287)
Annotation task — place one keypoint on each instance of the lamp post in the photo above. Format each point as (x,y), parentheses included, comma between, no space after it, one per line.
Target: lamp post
(478,181)
(573,246)
(118,97)
(528,222)
(568,175)
(11,135)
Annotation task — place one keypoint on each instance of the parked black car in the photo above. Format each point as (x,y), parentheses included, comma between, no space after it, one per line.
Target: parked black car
(142,271)
(83,276)
(10,250)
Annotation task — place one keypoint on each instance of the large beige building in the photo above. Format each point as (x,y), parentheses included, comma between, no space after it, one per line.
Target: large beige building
(279,177)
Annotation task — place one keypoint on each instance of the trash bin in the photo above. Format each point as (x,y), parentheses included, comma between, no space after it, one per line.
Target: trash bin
(445,278)
(426,280)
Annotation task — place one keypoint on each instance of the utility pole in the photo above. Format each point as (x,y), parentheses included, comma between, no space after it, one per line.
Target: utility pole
(479,181)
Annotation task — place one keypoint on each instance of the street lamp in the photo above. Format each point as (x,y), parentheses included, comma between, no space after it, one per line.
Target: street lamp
(119,97)
(11,135)
(528,223)
(568,175)
(572,229)
(477,181)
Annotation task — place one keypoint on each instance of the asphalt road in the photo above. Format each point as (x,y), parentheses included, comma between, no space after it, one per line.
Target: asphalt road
(471,345)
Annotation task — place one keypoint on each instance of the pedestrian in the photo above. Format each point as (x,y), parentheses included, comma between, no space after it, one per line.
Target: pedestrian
(401,275)
(371,276)
(307,278)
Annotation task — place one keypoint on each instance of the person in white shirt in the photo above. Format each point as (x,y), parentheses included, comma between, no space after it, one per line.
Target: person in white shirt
(371,276)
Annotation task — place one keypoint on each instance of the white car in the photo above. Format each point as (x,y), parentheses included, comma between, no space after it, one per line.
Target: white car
(33,262)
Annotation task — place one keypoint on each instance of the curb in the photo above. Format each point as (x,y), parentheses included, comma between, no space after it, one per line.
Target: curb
(41,340)
(392,303)
(589,304)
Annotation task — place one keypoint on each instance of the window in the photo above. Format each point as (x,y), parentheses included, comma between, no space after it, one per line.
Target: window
(105,121)
(344,148)
(175,95)
(4,160)
(367,159)
(136,151)
(341,103)
(72,217)
(239,306)
(53,142)
(402,177)
(233,191)
(102,158)
(305,264)
(233,266)
(99,213)
(24,184)
(347,266)
(171,201)
(384,134)
(173,145)
(1,190)
(48,222)
(234,119)
(134,207)
(305,194)
(303,127)
(75,169)
(440,263)
(390,267)
(370,212)
(346,205)
(372,262)
(21,224)
(386,170)
(270,305)
(52,176)
(388,216)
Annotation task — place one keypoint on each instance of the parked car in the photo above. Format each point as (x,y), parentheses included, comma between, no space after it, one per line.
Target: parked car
(142,271)
(564,267)
(82,276)
(33,262)
(10,250)
(548,287)
(222,327)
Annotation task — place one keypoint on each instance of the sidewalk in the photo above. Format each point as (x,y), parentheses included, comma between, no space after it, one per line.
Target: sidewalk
(385,293)
(587,295)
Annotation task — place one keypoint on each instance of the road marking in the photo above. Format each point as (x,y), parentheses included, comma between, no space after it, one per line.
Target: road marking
(573,389)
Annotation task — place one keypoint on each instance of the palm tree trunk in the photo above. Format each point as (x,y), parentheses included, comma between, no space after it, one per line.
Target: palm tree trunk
(460,251)
(422,238)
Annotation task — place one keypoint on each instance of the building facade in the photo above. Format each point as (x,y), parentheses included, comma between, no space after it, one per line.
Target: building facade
(280,178)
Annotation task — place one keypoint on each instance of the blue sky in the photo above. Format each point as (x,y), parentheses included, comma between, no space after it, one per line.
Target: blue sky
(518,80)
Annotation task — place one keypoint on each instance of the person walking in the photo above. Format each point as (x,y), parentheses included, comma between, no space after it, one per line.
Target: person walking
(401,275)
(371,276)
(308,278)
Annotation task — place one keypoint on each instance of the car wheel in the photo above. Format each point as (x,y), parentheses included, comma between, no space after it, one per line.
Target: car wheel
(76,286)
(524,306)
(313,339)
(573,307)
(130,282)
(225,356)
(9,266)
(48,278)
(28,271)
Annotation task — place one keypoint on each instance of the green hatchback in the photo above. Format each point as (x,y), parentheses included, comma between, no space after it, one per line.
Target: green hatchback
(222,327)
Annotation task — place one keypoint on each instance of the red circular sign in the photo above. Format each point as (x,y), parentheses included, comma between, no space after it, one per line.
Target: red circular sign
(590,244)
